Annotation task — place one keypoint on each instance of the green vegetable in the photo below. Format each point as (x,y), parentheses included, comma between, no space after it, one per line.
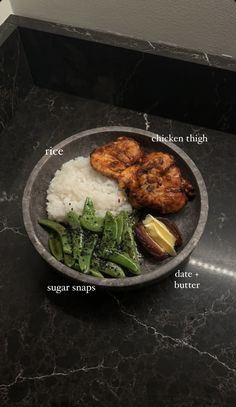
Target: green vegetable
(124,260)
(88,219)
(128,242)
(94,224)
(110,233)
(88,207)
(133,217)
(61,231)
(77,243)
(55,247)
(76,266)
(107,267)
(120,226)
(86,253)
(111,237)
(68,260)
(73,220)
(77,237)
(95,273)
(113,270)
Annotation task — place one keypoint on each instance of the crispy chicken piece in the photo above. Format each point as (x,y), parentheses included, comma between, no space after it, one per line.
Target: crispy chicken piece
(113,158)
(156,183)
(150,180)
(158,160)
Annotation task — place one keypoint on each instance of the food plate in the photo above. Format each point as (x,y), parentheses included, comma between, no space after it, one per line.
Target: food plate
(191,220)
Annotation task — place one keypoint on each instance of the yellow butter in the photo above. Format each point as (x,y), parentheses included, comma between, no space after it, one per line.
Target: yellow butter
(160,234)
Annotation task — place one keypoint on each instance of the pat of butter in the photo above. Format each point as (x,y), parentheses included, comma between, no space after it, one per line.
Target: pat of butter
(161,227)
(160,234)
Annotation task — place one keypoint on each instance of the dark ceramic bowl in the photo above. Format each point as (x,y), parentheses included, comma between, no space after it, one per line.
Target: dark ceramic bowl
(191,219)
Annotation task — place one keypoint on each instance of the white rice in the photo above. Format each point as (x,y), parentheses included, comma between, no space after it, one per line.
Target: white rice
(77,180)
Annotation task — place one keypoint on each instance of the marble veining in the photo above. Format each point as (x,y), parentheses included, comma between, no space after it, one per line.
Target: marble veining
(159,79)
(14,229)
(156,346)
(147,122)
(4,197)
(176,341)
(158,84)
(165,49)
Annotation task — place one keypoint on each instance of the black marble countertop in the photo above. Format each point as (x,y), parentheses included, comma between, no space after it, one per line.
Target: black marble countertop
(160,48)
(159,346)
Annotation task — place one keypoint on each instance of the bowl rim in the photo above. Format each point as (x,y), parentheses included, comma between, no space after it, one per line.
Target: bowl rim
(134,281)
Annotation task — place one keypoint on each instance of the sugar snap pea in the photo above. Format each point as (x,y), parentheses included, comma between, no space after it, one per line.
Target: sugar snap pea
(124,260)
(55,247)
(88,207)
(120,226)
(113,270)
(111,238)
(61,231)
(128,242)
(107,267)
(94,224)
(77,243)
(69,260)
(88,219)
(73,220)
(133,217)
(77,235)
(95,273)
(110,232)
(87,251)
(76,266)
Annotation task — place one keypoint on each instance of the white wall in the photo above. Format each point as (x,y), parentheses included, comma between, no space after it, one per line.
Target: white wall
(206,25)
(5,10)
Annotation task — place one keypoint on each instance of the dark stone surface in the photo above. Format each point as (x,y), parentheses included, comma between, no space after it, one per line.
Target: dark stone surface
(160,79)
(159,85)
(159,346)
(119,40)
(15,76)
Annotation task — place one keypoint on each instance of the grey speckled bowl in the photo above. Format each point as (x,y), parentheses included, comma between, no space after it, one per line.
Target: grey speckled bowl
(191,219)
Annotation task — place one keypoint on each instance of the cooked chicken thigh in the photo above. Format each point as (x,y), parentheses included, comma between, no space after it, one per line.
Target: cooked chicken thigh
(150,180)
(115,157)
